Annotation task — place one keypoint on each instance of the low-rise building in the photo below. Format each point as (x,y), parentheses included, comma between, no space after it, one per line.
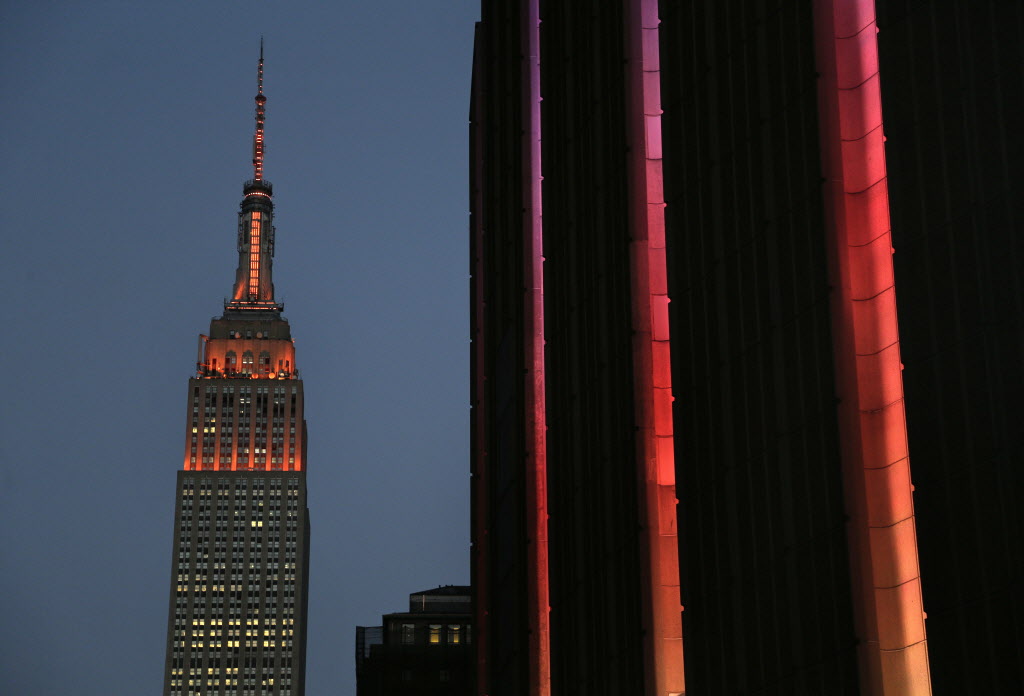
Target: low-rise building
(423,652)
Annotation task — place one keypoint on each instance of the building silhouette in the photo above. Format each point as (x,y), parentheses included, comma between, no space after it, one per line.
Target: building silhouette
(237,618)
(426,651)
(731,156)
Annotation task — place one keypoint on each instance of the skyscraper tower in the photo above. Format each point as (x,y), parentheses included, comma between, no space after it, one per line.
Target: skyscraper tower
(237,618)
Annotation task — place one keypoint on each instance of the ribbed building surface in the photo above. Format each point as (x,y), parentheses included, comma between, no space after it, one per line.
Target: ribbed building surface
(565,467)
(797,221)
(765,575)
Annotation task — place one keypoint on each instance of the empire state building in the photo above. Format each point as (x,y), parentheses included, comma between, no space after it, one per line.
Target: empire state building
(237,617)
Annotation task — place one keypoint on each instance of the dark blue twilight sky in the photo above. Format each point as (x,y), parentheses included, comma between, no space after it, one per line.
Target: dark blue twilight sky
(126,138)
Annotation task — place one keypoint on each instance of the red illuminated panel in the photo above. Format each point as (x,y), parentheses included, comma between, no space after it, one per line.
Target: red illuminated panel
(254,255)
(655,462)
(889,617)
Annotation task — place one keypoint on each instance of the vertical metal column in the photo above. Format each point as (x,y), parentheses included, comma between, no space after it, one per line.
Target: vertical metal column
(652,376)
(534,415)
(889,621)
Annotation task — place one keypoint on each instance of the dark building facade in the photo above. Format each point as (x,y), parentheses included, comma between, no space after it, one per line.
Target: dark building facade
(766,570)
(237,618)
(426,651)
(574,534)
(732,156)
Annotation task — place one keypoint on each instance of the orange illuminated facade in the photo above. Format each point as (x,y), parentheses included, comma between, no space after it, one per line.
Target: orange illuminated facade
(238,605)
(246,406)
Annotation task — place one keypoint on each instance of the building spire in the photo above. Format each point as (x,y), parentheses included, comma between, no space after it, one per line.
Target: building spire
(254,289)
(257,140)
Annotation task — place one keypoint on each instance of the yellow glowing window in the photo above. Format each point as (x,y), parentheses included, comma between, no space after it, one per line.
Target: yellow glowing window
(435,634)
(454,633)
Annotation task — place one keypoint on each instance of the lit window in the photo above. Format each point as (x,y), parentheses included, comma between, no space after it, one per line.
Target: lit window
(435,634)
(454,633)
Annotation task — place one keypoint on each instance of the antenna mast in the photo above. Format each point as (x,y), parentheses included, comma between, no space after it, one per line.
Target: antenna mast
(261,116)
